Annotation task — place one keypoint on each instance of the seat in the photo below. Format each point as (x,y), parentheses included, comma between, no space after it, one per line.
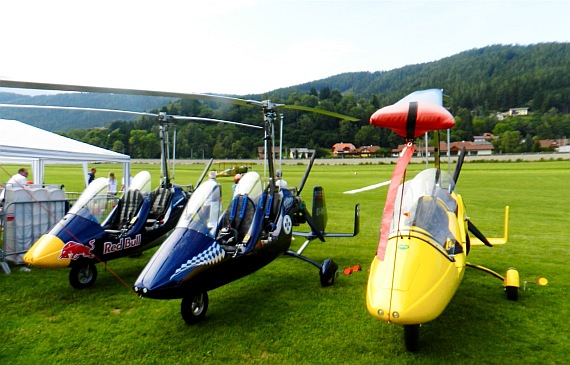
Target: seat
(237,220)
(129,206)
(160,201)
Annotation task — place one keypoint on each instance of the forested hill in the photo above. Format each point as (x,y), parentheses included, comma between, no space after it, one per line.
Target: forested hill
(493,78)
(59,120)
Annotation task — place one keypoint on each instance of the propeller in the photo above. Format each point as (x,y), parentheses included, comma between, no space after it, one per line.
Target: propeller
(204,173)
(310,220)
(306,175)
(477,233)
(459,164)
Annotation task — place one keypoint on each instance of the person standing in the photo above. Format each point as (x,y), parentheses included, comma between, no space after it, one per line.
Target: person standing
(91,175)
(112,184)
(18,180)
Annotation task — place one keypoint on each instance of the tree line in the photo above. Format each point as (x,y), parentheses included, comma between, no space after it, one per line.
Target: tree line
(480,84)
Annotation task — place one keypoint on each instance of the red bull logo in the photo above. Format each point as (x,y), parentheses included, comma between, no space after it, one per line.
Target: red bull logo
(123,244)
(73,250)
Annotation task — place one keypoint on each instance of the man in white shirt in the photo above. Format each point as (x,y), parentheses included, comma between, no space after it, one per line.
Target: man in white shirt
(18,180)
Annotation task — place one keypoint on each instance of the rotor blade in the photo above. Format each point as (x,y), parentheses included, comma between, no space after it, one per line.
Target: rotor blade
(200,119)
(477,233)
(314,225)
(306,175)
(204,173)
(111,90)
(75,108)
(321,111)
(180,95)
(369,187)
(459,164)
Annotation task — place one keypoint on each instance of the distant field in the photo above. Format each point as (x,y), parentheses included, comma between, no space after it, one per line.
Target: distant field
(281,314)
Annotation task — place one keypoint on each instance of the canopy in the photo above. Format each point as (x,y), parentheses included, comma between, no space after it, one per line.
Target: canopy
(23,143)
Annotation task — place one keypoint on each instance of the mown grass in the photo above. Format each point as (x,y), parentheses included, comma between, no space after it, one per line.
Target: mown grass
(281,314)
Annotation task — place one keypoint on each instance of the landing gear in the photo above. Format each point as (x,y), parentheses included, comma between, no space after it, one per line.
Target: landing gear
(512,284)
(328,272)
(412,337)
(194,307)
(81,277)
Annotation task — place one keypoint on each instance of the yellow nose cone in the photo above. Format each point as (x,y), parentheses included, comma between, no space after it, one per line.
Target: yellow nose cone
(46,252)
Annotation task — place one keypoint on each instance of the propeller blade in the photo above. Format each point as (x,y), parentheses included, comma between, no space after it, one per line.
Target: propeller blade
(306,175)
(477,233)
(314,225)
(459,164)
(369,187)
(204,173)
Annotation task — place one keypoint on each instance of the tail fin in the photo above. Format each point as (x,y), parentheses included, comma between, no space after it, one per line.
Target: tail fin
(320,208)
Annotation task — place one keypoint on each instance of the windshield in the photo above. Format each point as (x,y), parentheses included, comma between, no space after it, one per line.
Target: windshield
(203,211)
(425,202)
(95,203)
(249,184)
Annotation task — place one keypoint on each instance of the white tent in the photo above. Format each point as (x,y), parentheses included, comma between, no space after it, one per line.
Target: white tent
(23,143)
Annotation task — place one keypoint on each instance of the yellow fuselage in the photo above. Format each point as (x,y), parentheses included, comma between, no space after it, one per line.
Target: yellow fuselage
(417,277)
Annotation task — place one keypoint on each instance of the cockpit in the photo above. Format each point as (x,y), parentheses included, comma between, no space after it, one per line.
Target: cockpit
(426,203)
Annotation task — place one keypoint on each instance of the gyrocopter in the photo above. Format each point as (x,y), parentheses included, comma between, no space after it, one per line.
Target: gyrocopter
(211,247)
(424,236)
(100,227)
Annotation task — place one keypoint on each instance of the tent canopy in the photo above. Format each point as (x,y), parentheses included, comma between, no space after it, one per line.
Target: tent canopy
(20,142)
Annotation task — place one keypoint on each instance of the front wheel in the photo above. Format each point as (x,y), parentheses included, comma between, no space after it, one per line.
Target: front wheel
(194,307)
(81,277)
(328,272)
(512,292)
(412,337)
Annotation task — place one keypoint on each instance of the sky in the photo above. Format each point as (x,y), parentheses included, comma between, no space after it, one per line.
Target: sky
(244,47)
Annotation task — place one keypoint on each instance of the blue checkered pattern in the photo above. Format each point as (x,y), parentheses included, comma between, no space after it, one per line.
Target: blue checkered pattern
(209,256)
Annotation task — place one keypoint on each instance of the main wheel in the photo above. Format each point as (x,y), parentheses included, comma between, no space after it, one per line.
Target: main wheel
(81,277)
(412,337)
(328,272)
(194,307)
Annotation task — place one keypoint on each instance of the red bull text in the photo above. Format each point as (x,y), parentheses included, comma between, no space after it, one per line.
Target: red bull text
(123,244)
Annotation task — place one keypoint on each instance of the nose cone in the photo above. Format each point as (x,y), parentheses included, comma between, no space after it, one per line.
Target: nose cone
(179,258)
(46,252)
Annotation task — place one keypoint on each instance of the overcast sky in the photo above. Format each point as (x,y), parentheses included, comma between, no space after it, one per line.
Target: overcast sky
(252,46)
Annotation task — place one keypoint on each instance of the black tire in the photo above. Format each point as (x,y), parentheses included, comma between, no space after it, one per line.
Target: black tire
(512,292)
(194,307)
(81,277)
(412,337)
(328,272)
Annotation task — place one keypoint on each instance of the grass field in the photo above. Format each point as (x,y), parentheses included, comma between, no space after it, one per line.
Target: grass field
(281,314)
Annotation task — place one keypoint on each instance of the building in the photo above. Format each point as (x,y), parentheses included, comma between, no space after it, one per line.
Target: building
(342,149)
(367,151)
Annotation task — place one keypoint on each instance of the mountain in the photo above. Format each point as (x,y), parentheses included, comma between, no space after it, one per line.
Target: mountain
(496,77)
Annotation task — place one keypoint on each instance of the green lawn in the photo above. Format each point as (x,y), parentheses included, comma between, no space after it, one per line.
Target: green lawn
(281,314)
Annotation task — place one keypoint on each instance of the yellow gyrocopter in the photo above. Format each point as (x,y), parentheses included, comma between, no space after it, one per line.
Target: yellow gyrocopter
(425,231)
